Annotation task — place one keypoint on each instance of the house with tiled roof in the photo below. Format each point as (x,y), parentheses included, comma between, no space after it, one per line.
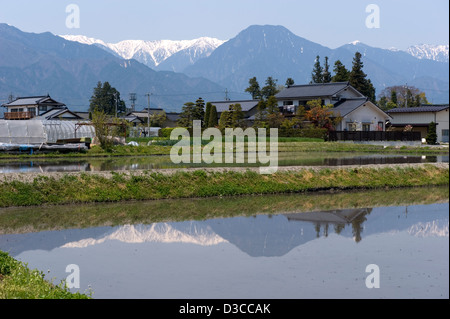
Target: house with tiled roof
(421,117)
(357,113)
(25,108)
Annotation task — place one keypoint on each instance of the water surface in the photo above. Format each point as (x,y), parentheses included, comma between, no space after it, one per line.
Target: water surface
(283,246)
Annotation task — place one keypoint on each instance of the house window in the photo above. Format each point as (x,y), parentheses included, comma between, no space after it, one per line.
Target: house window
(380,126)
(42,108)
(366,127)
(351,126)
(445,136)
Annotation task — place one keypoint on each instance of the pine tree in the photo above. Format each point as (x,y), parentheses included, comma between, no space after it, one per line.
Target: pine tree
(431,136)
(212,122)
(341,74)
(270,89)
(326,76)
(237,116)
(289,82)
(317,73)
(358,79)
(106,99)
(254,89)
(207,112)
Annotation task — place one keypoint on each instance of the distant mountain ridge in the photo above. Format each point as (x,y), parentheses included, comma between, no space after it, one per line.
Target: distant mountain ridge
(163,55)
(430,52)
(267,50)
(37,64)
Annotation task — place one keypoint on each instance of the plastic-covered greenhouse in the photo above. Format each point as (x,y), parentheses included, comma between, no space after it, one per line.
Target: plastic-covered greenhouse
(39,132)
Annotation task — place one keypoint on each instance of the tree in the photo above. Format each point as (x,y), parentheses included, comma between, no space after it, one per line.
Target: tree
(207,112)
(254,89)
(274,117)
(270,89)
(326,75)
(199,110)
(187,115)
(158,119)
(341,74)
(289,82)
(358,79)
(320,115)
(404,96)
(106,99)
(317,73)
(225,120)
(213,117)
(237,116)
(431,136)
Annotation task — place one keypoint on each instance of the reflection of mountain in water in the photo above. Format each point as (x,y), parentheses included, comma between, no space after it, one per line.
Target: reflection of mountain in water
(261,235)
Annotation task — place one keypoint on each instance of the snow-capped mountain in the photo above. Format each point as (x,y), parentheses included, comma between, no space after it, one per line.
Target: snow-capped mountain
(431,52)
(159,55)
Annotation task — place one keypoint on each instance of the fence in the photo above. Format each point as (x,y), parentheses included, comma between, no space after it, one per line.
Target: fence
(374,136)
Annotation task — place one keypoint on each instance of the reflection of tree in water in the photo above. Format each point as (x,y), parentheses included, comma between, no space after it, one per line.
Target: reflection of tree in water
(354,217)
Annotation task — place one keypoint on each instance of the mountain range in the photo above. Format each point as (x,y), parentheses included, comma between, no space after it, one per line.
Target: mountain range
(175,72)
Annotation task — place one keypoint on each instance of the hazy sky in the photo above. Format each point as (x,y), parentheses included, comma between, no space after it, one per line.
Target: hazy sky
(331,23)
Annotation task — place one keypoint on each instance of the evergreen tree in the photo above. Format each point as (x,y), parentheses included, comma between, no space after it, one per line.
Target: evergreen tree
(225,120)
(341,74)
(326,76)
(237,116)
(106,99)
(187,115)
(213,117)
(254,89)
(431,136)
(289,82)
(358,79)
(394,97)
(199,110)
(207,112)
(270,89)
(317,73)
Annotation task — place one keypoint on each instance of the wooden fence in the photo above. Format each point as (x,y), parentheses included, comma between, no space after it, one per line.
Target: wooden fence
(374,136)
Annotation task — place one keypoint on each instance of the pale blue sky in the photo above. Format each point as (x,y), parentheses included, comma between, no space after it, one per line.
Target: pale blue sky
(330,23)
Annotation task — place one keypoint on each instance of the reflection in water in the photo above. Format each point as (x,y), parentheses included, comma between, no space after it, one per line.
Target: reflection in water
(159,162)
(287,253)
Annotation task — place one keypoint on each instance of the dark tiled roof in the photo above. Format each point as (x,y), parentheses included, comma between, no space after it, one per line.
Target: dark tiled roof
(246,105)
(33,100)
(426,108)
(344,107)
(313,90)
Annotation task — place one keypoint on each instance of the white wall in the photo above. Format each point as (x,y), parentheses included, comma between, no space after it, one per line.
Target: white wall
(366,114)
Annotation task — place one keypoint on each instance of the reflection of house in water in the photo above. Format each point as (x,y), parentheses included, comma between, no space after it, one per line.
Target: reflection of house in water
(337,218)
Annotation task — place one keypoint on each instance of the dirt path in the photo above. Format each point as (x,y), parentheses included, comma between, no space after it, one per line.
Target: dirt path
(29,177)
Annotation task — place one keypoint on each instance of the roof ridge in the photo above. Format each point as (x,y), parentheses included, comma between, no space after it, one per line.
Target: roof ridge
(317,84)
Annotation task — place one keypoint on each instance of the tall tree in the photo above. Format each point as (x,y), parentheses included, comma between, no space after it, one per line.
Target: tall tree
(317,73)
(270,89)
(326,76)
(207,112)
(199,110)
(358,79)
(341,74)
(106,99)
(213,117)
(254,88)
(188,115)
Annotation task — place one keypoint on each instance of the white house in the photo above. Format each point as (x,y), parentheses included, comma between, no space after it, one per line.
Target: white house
(421,117)
(356,111)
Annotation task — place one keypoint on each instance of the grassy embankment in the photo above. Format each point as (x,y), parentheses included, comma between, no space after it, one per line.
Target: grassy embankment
(17,281)
(147,185)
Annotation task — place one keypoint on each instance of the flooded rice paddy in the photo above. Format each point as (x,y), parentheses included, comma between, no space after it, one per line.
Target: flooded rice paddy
(272,246)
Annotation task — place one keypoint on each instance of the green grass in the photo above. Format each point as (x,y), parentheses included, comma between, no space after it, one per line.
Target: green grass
(84,188)
(17,281)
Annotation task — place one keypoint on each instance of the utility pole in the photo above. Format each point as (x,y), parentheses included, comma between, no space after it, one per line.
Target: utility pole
(148,112)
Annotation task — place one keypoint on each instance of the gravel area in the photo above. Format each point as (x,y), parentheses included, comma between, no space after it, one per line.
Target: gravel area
(29,177)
